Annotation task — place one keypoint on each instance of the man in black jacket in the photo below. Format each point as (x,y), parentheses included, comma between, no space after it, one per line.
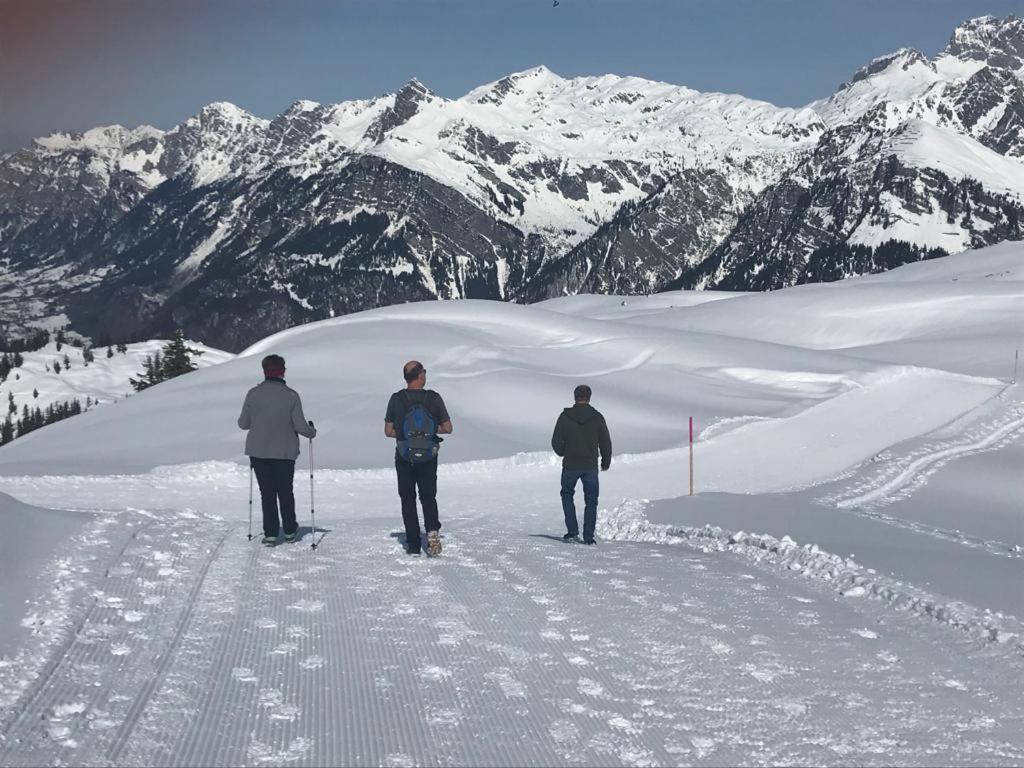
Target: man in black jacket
(580,434)
(419,474)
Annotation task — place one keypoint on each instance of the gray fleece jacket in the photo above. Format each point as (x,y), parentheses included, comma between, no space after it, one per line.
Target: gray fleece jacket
(272,413)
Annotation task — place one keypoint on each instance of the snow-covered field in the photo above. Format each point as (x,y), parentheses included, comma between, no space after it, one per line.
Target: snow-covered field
(104,380)
(846,586)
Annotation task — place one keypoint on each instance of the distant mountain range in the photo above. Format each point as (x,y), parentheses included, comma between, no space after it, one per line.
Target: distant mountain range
(231,226)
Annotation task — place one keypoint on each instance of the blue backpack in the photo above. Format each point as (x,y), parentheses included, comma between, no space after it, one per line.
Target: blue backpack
(418,443)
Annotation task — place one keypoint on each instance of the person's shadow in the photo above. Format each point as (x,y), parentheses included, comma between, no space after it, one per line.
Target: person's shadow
(308,531)
(550,536)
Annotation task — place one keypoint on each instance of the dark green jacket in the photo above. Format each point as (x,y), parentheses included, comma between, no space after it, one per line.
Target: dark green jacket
(580,433)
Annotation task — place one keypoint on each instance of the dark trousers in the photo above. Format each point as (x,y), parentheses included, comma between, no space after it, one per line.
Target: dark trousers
(275,478)
(410,478)
(590,489)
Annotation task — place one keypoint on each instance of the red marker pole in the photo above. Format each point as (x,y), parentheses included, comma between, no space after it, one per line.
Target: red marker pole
(691,455)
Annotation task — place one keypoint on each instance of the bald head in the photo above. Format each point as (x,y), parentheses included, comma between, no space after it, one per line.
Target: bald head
(414,373)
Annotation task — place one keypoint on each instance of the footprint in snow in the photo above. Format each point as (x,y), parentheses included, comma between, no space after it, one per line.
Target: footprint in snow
(296,632)
(120,649)
(260,752)
(589,687)
(564,731)
(273,701)
(622,724)
(312,662)
(243,675)
(285,649)
(434,673)
(444,718)
(791,707)
(865,633)
(398,760)
(308,606)
(62,711)
(266,624)
(510,687)
(703,746)
(717,647)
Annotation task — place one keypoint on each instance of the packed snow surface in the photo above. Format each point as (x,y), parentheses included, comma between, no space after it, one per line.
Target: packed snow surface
(840,590)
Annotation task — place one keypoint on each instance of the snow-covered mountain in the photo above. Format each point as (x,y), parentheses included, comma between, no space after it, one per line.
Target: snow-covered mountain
(232,226)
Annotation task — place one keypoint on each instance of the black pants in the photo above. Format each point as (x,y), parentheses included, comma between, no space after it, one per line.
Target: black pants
(424,477)
(276,477)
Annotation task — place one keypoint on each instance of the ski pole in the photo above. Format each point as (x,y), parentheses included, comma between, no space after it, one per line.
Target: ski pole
(312,510)
(250,502)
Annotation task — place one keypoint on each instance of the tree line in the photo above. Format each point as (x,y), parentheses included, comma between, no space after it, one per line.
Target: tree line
(172,360)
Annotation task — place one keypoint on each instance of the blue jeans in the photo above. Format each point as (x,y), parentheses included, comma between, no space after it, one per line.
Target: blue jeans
(590,488)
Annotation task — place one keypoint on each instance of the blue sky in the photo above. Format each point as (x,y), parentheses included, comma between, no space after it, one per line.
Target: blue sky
(74,65)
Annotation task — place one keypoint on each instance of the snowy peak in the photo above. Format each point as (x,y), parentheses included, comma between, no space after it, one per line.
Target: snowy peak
(519,83)
(106,140)
(901,60)
(996,42)
(407,103)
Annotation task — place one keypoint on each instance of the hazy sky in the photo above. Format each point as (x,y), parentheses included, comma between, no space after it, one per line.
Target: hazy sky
(75,64)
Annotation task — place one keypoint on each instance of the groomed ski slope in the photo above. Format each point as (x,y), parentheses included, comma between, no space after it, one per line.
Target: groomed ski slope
(162,636)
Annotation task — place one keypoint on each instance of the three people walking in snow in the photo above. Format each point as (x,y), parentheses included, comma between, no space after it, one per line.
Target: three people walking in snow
(415,417)
(272,414)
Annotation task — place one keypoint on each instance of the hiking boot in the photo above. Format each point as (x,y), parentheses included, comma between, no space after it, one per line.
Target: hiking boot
(571,537)
(433,543)
(589,541)
(291,536)
(269,541)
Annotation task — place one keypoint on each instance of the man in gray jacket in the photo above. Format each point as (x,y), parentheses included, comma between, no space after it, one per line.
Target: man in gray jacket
(272,413)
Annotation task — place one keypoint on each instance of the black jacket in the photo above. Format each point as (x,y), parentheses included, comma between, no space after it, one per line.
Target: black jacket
(580,433)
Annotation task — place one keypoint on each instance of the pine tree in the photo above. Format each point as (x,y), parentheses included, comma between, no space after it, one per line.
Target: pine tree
(11,407)
(87,355)
(110,353)
(60,339)
(6,431)
(56,367)
(35,394)
(177,356)
(175,359)
(122,348)
(152,373)
(67,361)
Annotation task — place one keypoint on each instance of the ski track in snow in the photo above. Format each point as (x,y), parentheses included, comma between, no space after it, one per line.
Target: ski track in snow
(202,648)
(905,469)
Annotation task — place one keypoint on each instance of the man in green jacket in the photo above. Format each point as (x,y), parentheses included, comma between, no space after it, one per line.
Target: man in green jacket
(580,433)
